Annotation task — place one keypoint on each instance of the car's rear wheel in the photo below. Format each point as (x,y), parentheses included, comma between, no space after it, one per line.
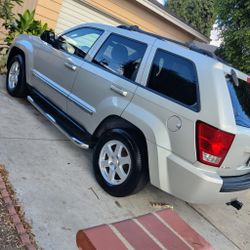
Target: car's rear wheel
(119,163)
(15,79)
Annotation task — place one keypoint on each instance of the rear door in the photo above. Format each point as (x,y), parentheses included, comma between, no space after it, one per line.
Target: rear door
(106,84)
(171,99)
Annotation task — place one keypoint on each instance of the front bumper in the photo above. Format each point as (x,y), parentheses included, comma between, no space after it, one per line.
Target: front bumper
(235,183)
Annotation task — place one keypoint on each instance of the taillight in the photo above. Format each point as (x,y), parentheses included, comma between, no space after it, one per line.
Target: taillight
(212,144)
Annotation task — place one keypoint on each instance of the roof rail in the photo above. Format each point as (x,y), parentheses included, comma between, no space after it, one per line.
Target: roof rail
(136,28)
(191,47)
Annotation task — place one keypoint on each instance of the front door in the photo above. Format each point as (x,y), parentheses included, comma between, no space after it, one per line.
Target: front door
(55,69)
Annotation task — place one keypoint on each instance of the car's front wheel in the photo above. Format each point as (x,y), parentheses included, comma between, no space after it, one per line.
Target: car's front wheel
(15,79)
(119,163)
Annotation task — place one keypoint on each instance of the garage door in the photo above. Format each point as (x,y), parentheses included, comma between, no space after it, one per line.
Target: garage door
(75,12)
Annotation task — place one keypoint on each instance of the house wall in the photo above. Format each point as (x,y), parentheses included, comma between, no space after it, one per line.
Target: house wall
(134,13)
(127,11)
(48,11)
(82,13)
(27,4)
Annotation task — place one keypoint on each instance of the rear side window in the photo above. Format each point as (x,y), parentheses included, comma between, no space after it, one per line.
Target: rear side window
(240,98)
(121,56)
(174,77)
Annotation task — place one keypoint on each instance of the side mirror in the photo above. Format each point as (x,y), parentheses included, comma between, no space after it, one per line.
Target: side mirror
(49,37)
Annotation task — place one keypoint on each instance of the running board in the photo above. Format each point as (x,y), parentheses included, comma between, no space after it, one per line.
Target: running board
(79,142)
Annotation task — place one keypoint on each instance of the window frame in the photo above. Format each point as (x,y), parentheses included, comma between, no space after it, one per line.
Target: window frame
(79,28)
(196,106)
(116,74)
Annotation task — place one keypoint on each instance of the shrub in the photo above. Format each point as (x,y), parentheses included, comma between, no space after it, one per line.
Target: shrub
(3,58)
(25,24)
(6,13)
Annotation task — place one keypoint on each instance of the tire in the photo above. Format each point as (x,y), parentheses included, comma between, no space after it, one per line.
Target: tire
(120,163)
(15,79)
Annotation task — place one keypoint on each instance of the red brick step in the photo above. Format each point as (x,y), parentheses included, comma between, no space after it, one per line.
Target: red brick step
(161,230)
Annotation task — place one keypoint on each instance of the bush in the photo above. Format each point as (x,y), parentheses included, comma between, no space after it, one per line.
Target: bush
(6,14)
(3,58)
(25,24)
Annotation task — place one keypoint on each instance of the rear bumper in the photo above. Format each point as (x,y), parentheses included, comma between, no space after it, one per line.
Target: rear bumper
(196,184)
(235,183)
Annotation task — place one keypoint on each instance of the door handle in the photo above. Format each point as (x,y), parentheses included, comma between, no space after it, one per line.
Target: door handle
(70,66)
(118,90)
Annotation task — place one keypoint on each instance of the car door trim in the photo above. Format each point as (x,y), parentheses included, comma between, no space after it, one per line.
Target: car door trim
(51,83)
(70,96)
(81,104)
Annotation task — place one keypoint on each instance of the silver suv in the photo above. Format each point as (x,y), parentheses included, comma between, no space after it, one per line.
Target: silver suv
(151,108)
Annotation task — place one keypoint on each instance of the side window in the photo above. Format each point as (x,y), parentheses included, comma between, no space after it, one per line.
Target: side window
(79,41)
(121,56)
(174,77)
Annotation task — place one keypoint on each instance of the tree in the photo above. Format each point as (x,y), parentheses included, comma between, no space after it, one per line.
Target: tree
(234,23)
(6,13)
(198,13)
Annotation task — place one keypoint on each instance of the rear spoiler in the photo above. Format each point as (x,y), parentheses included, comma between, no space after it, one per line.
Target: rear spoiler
(234,78)
(235,75)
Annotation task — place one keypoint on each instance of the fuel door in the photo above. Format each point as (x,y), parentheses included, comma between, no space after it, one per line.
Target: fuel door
(174,123)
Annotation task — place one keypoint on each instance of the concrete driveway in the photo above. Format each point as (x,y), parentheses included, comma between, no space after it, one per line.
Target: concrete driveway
(54,181)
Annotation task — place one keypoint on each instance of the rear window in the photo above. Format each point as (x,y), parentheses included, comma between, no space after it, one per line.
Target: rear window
(240,98)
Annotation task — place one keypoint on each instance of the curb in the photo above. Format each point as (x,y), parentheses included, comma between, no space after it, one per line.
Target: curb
(22,232)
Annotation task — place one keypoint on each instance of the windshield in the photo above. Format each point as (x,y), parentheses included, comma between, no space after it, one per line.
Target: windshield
(240,97)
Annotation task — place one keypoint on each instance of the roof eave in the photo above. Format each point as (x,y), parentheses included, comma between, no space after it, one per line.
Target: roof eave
(173,19)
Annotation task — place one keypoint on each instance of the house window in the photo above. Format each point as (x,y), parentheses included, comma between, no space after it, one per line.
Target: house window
(174,77)
(121,55)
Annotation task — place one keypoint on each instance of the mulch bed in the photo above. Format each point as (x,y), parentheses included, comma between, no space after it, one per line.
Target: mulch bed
(15,232)
(9,238)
